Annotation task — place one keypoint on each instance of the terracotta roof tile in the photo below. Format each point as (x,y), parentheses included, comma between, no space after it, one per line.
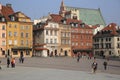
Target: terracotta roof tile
(56,18)
(6,11)
(111,27)
(109,30)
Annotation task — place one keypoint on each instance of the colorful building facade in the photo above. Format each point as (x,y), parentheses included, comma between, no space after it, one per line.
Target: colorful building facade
(18,32)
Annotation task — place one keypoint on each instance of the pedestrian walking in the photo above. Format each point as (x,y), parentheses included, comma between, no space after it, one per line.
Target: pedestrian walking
(8,61)
(105,65)
(13,62)
(94,66)
(78,57)
(0,65)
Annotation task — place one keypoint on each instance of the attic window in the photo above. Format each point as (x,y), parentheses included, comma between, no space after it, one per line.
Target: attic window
(3,19)
(72,24)
(76,25)
(12,18)
(82,25)
(64,21)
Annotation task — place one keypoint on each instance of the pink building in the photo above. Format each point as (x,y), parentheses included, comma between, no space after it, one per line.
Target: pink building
(2,34)
(2,37)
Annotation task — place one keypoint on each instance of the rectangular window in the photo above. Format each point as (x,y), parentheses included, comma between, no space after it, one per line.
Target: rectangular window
(10,33)
(10,42)
(15,26)
(15,42)
(15,33)
(55,33)
(3,27)
(55,40)
(46,40)
(51,41)
(27,27)
(22,27)
(46,32)
(3,43)
(27,35)
(3,35)
(27,42)
(22,34)
(51,32)
(22,42)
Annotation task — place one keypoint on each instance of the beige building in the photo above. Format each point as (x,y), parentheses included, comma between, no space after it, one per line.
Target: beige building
(107,41)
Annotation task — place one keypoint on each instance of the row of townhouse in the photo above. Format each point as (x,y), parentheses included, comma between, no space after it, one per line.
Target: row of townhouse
(66,33)
(57,35)
(15,33)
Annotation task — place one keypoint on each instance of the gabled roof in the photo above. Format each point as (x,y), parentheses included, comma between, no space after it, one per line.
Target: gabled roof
(110,30)
(111,27)
(6,11)
(56,18)
(16,14)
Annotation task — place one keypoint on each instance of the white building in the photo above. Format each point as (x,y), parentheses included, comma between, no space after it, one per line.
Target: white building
(46,37)
(107,41)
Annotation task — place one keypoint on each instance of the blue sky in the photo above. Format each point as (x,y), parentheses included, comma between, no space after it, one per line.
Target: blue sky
(37,8)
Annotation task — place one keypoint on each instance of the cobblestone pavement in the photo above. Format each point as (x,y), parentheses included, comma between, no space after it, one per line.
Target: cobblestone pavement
(54,68)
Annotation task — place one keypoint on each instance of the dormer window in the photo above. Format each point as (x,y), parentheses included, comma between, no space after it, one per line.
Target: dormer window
(12,18)
(82,25)
(72,24)
(76,25)
(3,19)
(64,21)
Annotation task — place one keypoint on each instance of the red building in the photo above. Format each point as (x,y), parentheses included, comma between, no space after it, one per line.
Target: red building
(81,39)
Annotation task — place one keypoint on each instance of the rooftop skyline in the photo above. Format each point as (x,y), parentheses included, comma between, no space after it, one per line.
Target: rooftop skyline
(38,8)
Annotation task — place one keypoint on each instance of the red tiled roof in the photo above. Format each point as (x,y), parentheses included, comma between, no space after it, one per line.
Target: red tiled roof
(111,27)
(6,11)
(56,18)
(73,20)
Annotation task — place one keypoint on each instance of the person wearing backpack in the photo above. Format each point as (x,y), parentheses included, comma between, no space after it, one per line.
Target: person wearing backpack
(94,66)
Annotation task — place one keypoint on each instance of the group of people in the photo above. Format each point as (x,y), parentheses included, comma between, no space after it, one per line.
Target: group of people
(10,61)
(95,64)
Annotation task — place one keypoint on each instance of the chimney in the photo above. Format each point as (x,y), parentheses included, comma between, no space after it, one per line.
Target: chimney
(8,5)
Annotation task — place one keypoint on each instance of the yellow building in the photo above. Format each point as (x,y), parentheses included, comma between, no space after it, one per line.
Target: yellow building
(18,32)
(19,35)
